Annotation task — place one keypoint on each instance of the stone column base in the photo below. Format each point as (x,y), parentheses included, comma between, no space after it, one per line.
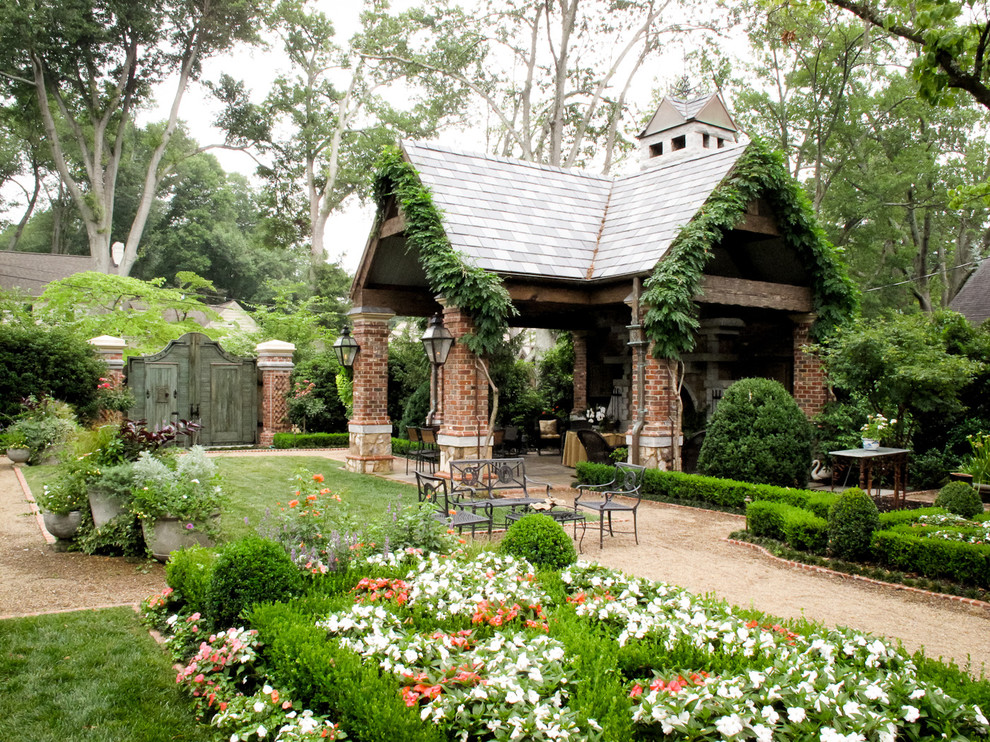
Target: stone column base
(456,447)
(655,452)
(370,450)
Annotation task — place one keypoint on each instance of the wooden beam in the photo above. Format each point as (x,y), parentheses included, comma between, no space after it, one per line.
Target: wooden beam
(392,226)
(758,224)
(402,300)
(525,291)
(742,293)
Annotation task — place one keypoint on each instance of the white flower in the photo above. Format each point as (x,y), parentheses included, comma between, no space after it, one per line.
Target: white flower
(851,708)
(911,714)
(259,707)
(770,714)
(729,725)
(267,689)
(980,717)
(796,714)
(763,733)
(919,693)
(261,731)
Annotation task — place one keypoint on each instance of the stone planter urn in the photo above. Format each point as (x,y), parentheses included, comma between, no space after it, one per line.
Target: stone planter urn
(19,455)
(62,525)
(165,535)
(104,506)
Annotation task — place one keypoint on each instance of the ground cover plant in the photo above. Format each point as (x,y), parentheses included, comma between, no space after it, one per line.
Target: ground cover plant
(485,647)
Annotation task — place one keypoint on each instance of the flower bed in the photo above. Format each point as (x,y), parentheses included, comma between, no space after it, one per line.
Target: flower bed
(487,649)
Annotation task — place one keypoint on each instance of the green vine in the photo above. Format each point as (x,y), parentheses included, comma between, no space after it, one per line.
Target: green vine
(672,319)
(476,292)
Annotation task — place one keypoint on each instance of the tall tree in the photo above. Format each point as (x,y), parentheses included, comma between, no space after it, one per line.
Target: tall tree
(954,38)
(91,64)
(324,121)
(558,74)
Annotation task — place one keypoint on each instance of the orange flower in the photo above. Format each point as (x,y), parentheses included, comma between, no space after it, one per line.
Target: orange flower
(317,477)
(293,503)
(311,498)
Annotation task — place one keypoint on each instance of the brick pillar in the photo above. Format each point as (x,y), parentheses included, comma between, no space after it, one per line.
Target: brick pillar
(580,375)
(656,436)
(111,350)
(275,370)
(465,396)
(370,448)
(810,387)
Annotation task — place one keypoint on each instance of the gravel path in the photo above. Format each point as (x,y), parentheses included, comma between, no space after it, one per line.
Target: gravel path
(682,546)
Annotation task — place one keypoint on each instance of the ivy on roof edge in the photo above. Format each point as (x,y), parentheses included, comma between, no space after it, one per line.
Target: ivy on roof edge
(473,290)
(672,319)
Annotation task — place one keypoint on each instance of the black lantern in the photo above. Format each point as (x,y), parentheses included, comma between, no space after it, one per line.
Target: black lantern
(437,341)
(345,348)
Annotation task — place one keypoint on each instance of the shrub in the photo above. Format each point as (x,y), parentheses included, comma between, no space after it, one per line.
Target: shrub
(901,548)
(311,440)
(805,531)
(930,470)
(189,572)
(758,434)
(902,517)
(249,571)
(852,519)
(960,498)
(765,519)
(541,540)
(55,362)
(819,503)
(314,404)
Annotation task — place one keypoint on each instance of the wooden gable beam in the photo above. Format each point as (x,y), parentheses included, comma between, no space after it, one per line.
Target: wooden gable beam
(742,293)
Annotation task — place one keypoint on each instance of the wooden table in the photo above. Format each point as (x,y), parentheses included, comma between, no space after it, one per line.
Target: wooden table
(574,452)
(870,460)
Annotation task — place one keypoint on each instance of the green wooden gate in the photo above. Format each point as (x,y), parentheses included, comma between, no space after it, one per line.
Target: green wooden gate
(193,378)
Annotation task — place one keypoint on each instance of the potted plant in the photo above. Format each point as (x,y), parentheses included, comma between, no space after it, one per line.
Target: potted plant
(875,430)
(109,491)
(15,441)
(178,500)
(61,501)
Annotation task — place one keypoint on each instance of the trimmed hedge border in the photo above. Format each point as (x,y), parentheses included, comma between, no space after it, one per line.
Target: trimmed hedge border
(283,441)
(675,486)
(900,548)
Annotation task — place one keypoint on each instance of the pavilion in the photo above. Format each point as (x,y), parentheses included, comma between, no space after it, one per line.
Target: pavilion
(704,267)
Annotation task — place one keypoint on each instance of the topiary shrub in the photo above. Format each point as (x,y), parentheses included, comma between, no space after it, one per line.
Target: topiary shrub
(189,572)
(249,571)
(541,540)
(960,498)
(805,531)
(852,519)
(758,434)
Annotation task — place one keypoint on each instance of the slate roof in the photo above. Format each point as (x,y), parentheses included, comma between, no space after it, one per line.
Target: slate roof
(973,299)
(515,217)
(32,272)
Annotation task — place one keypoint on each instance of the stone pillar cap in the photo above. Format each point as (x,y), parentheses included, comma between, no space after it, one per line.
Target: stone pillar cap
(108,342)
(275,347)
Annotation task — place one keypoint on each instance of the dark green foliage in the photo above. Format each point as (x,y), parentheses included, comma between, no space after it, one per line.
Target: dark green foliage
(556,377)
(766,519)
(313,403)
(408,376)
(541,540)
(366,701)
(189,572)
(758,434)
(838,427)
(819,503)
(930,470)
(805,531)
(960,498)
(476,292)
(672,319)
(953,680)
(416,408)
(311,440)
(121,536)
(852,519)
(249,571)
(900,517)
(902,547)
(597,691)
(54,362)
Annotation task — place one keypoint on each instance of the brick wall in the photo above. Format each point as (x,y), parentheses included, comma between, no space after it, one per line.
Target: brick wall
(371,369)
(465,388)
(580,375)
(275,370)
(810,388)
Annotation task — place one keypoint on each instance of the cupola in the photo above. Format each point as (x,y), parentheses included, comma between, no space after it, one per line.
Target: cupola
(687,126)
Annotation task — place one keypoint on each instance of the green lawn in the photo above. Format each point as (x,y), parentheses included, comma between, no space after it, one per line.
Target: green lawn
(89,676)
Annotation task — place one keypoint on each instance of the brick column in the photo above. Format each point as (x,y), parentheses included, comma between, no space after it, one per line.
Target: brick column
(111,350)
(465,396)
(810,387)
(659,399)
(580,375)
(370,448)
(275,370)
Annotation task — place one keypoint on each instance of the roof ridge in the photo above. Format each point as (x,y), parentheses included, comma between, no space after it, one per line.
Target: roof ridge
(590,273)
(508,160)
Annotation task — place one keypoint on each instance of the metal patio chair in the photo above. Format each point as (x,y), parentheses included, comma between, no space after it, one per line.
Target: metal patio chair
(628,483)
(434,489)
